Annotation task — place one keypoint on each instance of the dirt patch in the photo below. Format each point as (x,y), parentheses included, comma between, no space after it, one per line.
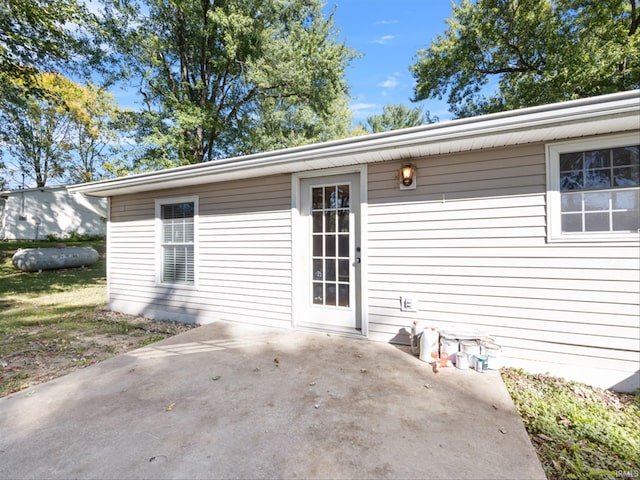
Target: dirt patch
(49,351)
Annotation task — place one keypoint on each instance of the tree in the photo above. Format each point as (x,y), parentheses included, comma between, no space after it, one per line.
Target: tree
(57,130)
(230,77)
(534,51)
(93,132)
(36,128)
(41,35)
(394,117)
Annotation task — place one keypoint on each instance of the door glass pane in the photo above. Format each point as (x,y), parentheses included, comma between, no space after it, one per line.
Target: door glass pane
(317,245)
(330,197)
(330,250)
(330,246)
(317,269)
(318,297)
(343,270)
(317,198)
(343,196)
(330,221)
(343,220)
(343,246)
(330,270)
(330,294)
(317,222)
(343,295)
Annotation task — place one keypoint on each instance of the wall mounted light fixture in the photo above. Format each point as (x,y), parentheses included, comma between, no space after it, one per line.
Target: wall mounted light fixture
(407,177)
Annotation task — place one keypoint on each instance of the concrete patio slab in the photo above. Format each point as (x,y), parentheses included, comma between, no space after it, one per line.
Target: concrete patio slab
(233,401)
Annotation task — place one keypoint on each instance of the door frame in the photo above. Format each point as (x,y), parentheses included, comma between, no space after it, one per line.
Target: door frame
(299,238)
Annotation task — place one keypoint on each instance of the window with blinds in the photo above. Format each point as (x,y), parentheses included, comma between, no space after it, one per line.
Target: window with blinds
(177,242)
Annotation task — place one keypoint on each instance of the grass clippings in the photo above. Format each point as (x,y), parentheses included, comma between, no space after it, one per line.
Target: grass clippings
(578,431)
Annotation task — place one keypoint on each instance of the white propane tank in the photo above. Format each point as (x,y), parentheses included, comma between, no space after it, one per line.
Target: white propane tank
(35,259)
(429,344)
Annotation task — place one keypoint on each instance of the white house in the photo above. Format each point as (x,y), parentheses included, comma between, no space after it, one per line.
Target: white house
(34,213)
(524,224)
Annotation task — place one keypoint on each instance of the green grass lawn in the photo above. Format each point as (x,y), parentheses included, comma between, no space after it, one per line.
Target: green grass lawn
(54,320)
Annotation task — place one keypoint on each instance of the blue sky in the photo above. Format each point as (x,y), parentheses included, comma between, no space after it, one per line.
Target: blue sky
(387,34)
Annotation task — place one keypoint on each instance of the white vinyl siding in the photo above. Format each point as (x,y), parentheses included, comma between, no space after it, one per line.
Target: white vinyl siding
(470,245)
(243,256)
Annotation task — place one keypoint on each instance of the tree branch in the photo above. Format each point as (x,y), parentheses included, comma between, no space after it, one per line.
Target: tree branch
(634,18)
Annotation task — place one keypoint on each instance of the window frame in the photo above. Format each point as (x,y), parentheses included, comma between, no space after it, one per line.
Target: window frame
(159,203)
(554,197)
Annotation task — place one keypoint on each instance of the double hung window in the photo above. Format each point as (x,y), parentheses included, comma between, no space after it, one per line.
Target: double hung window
(594,189)
(176,219)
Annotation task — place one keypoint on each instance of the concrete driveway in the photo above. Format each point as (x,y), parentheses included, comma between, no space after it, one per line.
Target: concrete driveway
(215,403)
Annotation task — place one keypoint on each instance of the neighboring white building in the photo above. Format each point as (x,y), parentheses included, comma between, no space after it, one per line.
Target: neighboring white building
(523,224)
(34,213)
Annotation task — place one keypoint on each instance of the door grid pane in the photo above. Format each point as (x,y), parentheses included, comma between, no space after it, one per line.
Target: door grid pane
(331,252)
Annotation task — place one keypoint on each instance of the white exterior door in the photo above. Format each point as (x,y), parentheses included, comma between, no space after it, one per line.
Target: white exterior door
(329,267)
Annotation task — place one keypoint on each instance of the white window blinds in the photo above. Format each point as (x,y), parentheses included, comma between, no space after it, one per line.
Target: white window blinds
(178,242)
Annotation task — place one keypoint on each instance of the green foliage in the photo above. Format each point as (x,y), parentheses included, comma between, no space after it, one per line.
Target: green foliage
(149,340)
(229,77)
(40,35)
(56,128)
(74,236)
(534,51)
(578,431)
(35,126)
(394,117)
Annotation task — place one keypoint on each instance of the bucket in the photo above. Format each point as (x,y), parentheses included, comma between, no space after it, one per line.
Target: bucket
(450,346)
(429,345)
(462,361)
(470,347)
(493,352)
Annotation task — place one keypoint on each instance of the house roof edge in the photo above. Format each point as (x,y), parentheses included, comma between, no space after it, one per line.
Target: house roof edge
(513,127)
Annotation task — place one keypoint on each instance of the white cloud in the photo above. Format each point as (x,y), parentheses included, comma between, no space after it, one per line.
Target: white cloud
(386,22)
(362,108)
(390,82)
(384,39)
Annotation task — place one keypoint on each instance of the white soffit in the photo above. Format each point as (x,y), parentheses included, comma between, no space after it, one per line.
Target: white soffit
(613,113)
